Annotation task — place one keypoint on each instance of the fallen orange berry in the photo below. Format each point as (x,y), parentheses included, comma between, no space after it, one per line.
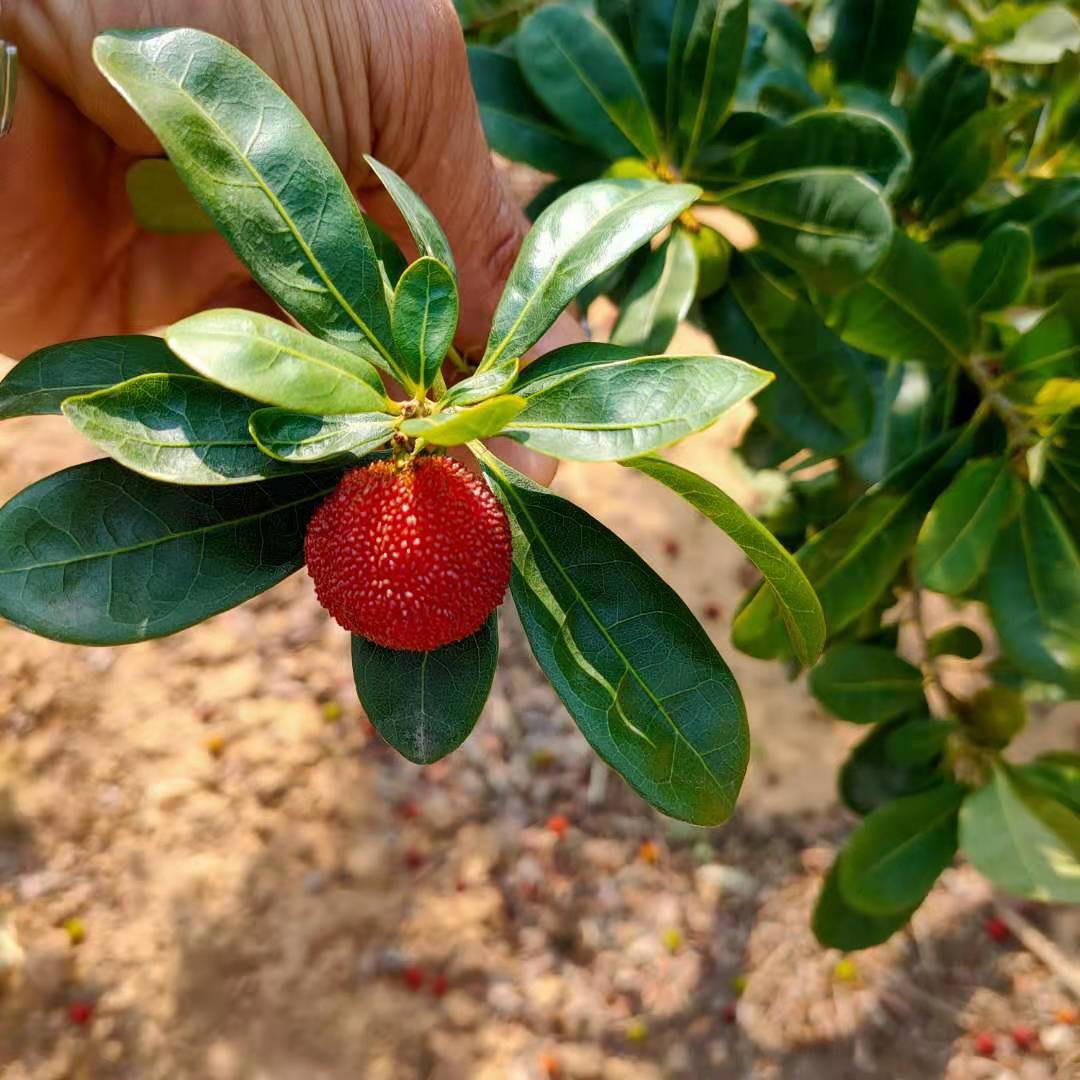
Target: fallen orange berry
(557,824)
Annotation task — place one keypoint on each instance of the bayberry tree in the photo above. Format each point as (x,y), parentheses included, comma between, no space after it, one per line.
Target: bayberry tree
(910,171)
(238,440)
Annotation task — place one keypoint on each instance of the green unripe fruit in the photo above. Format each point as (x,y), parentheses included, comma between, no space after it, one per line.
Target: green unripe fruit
(629,168)
(995,716)
(714,260)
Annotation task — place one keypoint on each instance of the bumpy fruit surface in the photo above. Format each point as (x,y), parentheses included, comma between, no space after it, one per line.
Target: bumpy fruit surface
(410,555)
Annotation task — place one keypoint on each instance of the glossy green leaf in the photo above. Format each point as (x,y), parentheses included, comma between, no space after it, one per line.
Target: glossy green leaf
(38,384)
(98,555)
(271,188)
(873,774)
(830,224)
(838,925)
(708,71)
(159,200)
(660,297)
(906,310)
(798,603)
(579,71)
(1050,32)
(951,91)
(582,234)
(301,438)
(275,363)
(857,141)
(785,43)
(483,385)
(1003,269)
(1024,841)
(919,741)
(424,317)
(391,262)
(661,30)
(630,662)
(1056,774)
(954,545)
(853,561)
(518,127)
(458,425)
(177,428)
(869,39)
(821,396)
(594,402)
(1049,208)
(425,704)
(956,640)
(866,684)
(894,857)
(426,232)
(1049,350)
(1034,594)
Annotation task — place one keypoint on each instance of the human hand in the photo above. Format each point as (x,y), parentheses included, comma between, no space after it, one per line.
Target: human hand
(77,264)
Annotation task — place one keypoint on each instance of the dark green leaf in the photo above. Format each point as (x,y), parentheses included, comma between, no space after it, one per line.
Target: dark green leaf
(821,396)
(1034,594)
(869,40)
(660,297)
(275,363)
(866,684)
(1001,274)
(853,561)
(272,189)
(1024,841)
(1049,350)
(1051,211)
(956,640)
(951,91)
(837,925)
(391,261)
(97,555)
(456,425)
(587,231)
(797,601)
(177,428)
(38,384)
(873,775)
(424,317)
(661,32)
(920,741)
(301,438)
(906,310)
(579,71)
(628,659)
(426,232)
(1056,774)
(424,704)
(894,857)
(708,71)
(159,200)
(518,127)
(956,538)
(594,402)
(785,42)
(479,387)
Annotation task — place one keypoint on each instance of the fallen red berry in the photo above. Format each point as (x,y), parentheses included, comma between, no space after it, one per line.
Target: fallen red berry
(1026,1038)
(558,824)
(81,1012)
(984,1044)
(671,549)
(712,611)
(408,810)
(729,1013)
(996,929)
(410,555)
(413,976)
(414,859)
(439,985)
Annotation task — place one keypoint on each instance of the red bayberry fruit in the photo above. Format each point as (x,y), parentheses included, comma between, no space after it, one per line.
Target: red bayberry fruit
(410,555)
(996,929)
(984,1044)
(414,977)
(1025,1037)
(439,985)
(80,1012)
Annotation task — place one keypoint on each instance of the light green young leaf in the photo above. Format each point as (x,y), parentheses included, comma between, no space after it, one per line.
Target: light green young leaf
(582,234)
(424,318)
(482,385)
(300,438)
(176,428)
(866,684)
(458,425)
(1024,841)
(275,363)
(40,383)
(605,403)
(798,603)
(668,717)
(98,555)
(579,71)
(660,297)
(425,704)
(272,189)
(426,231)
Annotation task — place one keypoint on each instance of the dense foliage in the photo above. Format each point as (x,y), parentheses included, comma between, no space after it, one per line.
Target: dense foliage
(910,171)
